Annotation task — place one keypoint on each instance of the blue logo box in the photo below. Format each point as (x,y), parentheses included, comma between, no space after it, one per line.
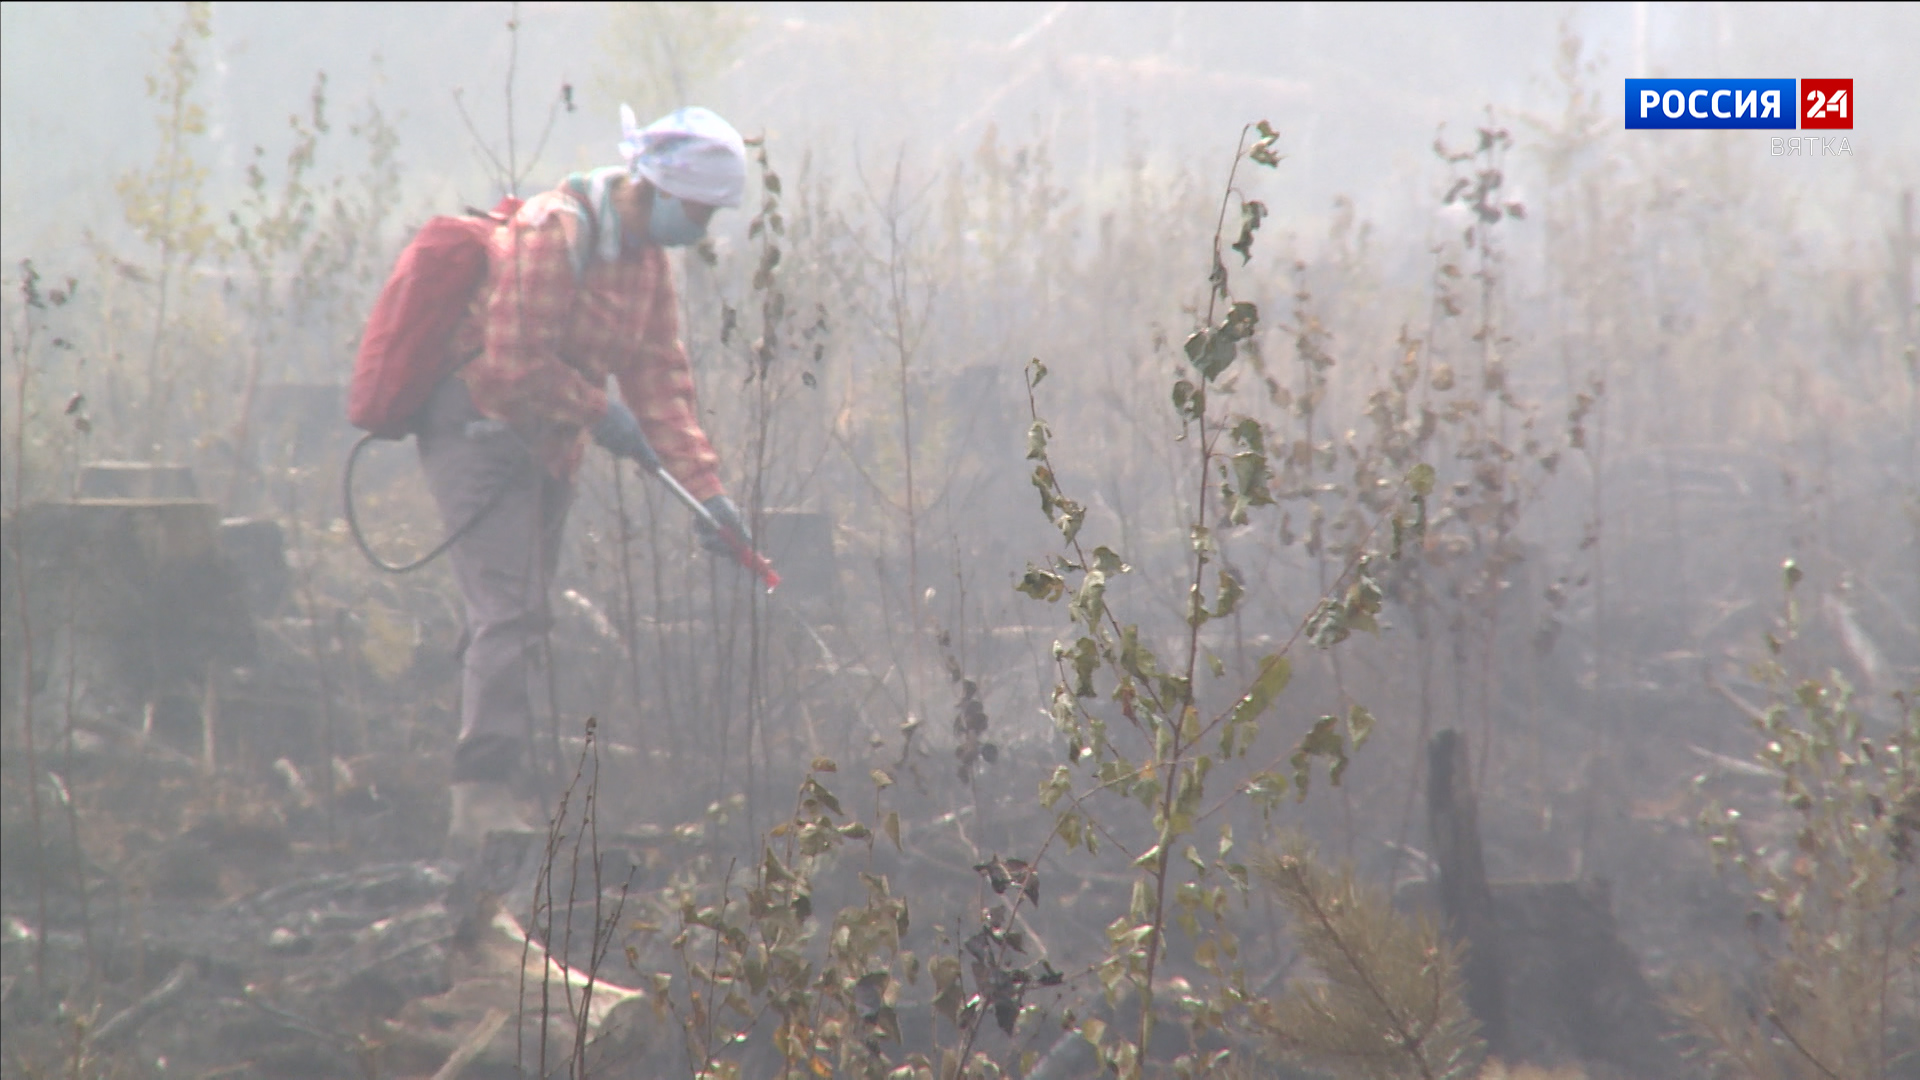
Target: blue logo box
(1712,104)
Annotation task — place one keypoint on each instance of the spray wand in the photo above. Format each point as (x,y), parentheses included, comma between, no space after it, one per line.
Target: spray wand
(743,553)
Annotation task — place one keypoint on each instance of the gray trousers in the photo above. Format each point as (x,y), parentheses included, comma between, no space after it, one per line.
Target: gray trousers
(504,566)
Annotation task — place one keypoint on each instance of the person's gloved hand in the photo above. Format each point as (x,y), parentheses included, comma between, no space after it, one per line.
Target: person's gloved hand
(728,515)
(619,431)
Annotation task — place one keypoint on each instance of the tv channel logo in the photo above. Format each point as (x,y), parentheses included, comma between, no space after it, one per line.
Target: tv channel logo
(1826,104)
(1740,104)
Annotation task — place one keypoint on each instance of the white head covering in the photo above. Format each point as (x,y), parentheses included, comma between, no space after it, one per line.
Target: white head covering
(689,153)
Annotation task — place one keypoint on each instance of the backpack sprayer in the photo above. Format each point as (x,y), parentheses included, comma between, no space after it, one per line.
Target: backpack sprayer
(743,553)
(752,561)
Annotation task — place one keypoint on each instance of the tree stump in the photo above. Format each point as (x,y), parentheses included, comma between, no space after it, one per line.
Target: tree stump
(1465,898)
(1547,975)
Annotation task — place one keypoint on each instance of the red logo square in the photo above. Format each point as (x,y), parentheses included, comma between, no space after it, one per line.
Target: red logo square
(1826,103)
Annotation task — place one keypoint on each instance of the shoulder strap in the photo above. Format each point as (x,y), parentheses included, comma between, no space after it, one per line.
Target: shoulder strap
(581,247)
(592,194)
(502,211)
(580,251)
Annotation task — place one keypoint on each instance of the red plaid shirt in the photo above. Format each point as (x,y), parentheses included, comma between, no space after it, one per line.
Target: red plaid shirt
(543,345)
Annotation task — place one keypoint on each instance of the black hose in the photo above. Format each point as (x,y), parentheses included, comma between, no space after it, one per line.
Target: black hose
(359,538)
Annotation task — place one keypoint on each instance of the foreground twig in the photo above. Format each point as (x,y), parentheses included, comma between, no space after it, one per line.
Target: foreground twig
(471,1046)
(128,1020)
(1799,1047)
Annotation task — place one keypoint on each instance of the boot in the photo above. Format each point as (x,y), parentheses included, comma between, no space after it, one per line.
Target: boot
(480,807)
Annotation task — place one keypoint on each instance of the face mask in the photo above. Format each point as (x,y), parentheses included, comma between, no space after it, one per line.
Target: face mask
(670,226)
